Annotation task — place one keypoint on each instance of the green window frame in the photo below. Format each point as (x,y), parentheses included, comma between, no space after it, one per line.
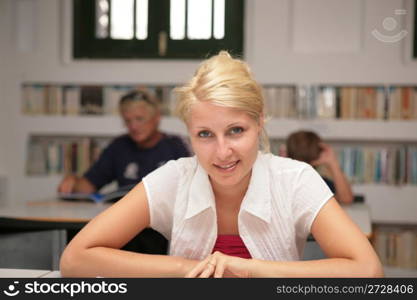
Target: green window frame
(158,43)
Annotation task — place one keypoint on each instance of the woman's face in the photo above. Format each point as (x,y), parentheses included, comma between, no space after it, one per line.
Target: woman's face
(225,141)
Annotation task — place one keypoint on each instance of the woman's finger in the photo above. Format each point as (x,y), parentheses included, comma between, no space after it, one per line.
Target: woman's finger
(208,270)
(220,267)
(198,268)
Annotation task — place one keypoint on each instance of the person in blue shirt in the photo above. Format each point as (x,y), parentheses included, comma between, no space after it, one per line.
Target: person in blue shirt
(131,156)
(308,147)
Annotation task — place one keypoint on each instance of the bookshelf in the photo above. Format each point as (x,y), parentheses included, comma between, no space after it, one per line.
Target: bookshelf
(88,125)
(44,186)
(348,130)
(335,130)
(396,247)
(389,204)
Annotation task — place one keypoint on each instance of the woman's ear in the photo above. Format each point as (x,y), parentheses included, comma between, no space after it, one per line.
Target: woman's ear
(261,122)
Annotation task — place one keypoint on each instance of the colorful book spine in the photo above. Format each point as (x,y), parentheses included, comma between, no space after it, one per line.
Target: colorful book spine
(63,155)
(396,246)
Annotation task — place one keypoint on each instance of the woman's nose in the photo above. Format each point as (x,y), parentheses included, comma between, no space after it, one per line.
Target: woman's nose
(224,149)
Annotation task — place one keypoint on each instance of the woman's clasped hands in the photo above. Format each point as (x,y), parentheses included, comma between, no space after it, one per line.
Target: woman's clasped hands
(220,265)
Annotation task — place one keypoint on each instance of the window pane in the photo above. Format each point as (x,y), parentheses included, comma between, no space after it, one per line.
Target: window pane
(141,19)
(177,19)
(121,19)
(199,19)
(102,19)
(218,19)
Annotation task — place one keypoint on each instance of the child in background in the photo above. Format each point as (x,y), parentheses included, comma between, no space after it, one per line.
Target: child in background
(308,147)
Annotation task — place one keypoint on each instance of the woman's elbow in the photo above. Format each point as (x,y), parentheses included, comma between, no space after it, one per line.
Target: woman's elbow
(372,268)
(377,270)
(68,262)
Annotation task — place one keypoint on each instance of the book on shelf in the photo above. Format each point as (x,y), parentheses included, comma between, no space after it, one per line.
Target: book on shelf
(287,105)
(353,102)
(402,103)
(55,100)
(302,102)
(326,104)
(36,158)
(391,164)
(74,159)
(166,98)
(112,196)
(111,97)
(71,100)
(381,104)
(63,155)
(270,100)
(280,101)
(53,157)
(370,106)
(91,100)
(396,246)
(412,163)
(37,99)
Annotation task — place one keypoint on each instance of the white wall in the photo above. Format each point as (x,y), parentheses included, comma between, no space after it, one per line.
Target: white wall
(353,55)
(4,101)
(2,74)
(300,41)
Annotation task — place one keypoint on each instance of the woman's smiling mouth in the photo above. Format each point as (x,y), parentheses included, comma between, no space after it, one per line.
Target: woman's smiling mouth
(227,167)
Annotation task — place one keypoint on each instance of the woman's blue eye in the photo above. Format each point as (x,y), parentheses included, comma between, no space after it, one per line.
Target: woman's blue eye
(204,134)
(236,130)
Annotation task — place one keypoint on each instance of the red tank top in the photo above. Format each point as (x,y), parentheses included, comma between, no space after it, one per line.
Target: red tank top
(231,245)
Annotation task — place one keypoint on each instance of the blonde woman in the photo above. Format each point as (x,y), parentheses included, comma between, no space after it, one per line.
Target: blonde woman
(229,211)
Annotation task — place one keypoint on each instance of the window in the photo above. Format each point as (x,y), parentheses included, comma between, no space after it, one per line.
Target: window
(156,28)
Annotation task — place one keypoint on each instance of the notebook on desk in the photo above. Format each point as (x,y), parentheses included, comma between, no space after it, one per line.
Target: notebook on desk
(97,197)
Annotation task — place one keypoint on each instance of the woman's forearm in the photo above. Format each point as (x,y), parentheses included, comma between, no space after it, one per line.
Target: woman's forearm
(108,262)
(331,267)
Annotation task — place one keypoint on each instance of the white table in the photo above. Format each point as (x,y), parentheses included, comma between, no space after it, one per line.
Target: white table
(59,212)
(52,274)
(41,226)
(62,215)
(53,210)
(22,273)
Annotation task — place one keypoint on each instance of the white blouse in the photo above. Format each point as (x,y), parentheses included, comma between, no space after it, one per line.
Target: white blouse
(283,198)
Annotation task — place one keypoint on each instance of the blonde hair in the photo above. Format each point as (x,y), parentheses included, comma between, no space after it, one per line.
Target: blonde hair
(224,81)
